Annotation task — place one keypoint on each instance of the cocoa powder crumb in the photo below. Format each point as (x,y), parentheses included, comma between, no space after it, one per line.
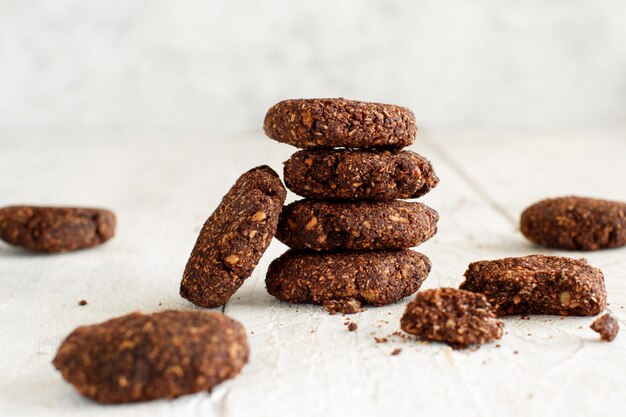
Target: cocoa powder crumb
(352,326)
(82,303)
(380,339)
(396,352)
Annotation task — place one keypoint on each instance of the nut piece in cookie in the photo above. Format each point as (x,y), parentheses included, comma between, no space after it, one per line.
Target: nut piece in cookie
(335,122)
(607,326)
(359,174)
(342,281)
(538,284)
(55,229)
(456,317)
(234,238)
(575,223)
(358,225)
(140,357)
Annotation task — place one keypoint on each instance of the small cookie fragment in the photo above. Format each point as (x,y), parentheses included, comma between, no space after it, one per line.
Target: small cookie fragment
(456,317)
(575,223)
(359,225)
(342,281)
(607,326)
(336,122)
(142,357)
(538,284)
(359,174)
(55,229)
(234,238)
(352,326)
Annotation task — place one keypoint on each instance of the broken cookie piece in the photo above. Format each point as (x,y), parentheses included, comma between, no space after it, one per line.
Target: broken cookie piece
(342,281)
(456,317)
(142,357)
(607,326)
(538,284)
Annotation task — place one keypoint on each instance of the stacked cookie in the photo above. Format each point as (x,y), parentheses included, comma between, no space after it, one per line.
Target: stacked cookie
(349,236)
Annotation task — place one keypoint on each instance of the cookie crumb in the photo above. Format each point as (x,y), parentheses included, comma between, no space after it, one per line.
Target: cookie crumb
(352,326)
(380,339)
(82,303)
(396,352)
(607,326)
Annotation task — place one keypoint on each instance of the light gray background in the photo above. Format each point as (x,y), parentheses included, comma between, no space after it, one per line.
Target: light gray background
(218,65)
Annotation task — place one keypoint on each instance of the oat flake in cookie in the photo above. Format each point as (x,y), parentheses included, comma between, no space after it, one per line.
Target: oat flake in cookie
(538,284)
(55,229)
(343,281)
(336,122)
(575,223)
(234,238)
(356,225)
(359,174)
(142,357)
(456,317)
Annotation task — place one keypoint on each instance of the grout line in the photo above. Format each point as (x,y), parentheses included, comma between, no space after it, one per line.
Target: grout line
(471,182)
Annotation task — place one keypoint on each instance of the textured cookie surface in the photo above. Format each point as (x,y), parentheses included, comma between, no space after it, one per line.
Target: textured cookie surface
(329,123)
(141,357)
(342,281)
(607,326)
(359,175)
(538,284)
(456,317)
(55,229)
(358,225)
(575,223)
(233,239)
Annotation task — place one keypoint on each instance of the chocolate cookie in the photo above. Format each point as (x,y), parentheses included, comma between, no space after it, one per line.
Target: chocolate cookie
(233,239)
(359,175)
(575,223)
(330,123)
(358,225)
(55,229)
(607,326)
(538,284)
(342,281)
(141,357)
(456,317)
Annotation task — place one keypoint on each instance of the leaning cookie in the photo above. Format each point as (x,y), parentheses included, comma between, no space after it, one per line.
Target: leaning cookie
(343,281)
(456,317)
(140,357)
(330,123)
(233,239)
(359,175)
(538,284)
(359,225)
(55,229)
(575,223)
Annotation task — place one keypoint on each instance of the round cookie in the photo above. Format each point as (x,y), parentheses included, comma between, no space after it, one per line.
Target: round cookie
(359,175)
(341,281)
(140,357)
(233,239)
(55,229)
(359,225)
(331,123)
(456,317)
(575,223)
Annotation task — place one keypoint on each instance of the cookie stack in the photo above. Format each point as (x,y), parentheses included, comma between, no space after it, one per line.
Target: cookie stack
(349,236)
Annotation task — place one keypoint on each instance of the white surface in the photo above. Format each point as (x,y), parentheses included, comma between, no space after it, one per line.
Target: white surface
(219,64)
(304,362)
